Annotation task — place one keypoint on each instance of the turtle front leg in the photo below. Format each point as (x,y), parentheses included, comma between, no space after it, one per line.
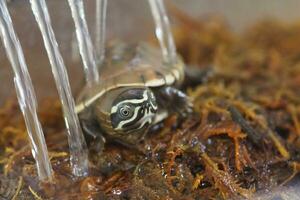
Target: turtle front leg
(92,132)
(174,101)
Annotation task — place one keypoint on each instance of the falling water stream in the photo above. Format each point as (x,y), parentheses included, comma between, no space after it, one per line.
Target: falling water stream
(25,93)
(84,41)
(101,9)
(163,30)
(24,88)
(77,145)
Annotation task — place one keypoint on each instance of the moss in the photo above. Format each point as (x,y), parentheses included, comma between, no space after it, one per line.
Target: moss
(243,138)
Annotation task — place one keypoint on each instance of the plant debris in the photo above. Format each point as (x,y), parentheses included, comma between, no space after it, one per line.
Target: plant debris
(242,141)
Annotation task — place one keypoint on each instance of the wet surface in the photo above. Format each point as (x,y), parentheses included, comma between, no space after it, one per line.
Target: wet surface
(241,142)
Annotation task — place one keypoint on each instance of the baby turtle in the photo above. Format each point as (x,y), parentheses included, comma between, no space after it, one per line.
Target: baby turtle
(137,91)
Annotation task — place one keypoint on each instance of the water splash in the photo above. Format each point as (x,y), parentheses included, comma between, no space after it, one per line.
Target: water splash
(25,93)
(101,9)
(77,144)
(163,31)
(85,44)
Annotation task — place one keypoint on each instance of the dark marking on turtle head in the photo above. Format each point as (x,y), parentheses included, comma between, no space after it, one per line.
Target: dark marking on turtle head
(133,110)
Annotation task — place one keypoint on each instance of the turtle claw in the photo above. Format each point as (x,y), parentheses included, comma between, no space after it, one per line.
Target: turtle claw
(97,145)
(185,107)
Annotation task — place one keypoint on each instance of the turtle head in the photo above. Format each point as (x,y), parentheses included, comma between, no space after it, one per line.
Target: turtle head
(133,111)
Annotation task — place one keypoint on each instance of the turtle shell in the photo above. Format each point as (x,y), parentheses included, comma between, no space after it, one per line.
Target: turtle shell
(132,66)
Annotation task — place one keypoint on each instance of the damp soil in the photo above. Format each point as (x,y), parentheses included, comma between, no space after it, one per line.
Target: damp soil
(242,141)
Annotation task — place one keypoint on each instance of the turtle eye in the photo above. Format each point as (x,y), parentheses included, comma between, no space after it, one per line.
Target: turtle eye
(125,111)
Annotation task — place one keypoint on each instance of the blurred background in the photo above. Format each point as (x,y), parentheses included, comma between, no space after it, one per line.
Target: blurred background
(127,19)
